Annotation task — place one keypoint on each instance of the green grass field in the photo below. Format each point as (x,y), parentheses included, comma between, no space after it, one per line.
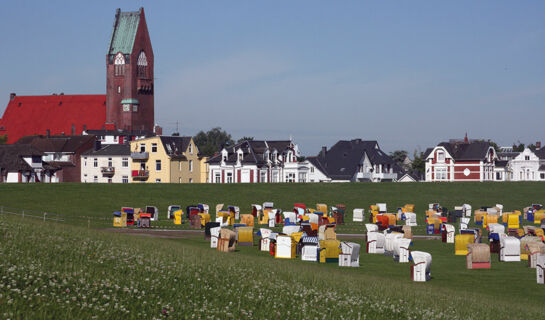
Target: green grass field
(56,270)
(76,202)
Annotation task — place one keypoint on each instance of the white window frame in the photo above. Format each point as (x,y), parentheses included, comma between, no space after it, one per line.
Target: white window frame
(125,162)
(229,177)
(125,179)
(440,156)
(190,165)
(441,173)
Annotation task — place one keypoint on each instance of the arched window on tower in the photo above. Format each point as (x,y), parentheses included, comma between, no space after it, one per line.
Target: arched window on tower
(142,65)
(119,64)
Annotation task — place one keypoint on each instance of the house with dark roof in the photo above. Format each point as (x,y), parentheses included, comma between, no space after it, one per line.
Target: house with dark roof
(527,166)
(111,163)
(259,161)
(167,159)
(22,163)
(462,160)
(317,171)
(357,160)
(62,151)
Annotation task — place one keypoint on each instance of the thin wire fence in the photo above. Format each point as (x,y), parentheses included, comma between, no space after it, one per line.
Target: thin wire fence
(33,214)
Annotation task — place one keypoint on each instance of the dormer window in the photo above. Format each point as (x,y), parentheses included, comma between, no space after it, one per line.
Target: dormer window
(119,64)
(440,156)
(240,156)
(142,65)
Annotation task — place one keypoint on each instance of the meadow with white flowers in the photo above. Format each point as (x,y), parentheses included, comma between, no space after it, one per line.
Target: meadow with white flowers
(50,270)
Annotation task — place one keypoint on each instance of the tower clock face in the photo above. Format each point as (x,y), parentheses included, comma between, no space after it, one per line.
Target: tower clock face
(126,107)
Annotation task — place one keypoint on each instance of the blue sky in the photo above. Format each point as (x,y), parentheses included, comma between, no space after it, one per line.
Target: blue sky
(406,73)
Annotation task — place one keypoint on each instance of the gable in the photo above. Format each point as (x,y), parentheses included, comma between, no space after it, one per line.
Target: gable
(433,153)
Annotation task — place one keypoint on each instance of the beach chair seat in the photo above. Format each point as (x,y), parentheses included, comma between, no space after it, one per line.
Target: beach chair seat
(420,269)
(401,250)
(478,256)
(375,242)
(350,254)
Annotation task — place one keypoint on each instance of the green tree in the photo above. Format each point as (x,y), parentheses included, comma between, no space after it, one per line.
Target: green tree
(3,139)
(212,141)
(245,139)
(532,147)
(519,147)
(494,145)
(398,156)
(419,162)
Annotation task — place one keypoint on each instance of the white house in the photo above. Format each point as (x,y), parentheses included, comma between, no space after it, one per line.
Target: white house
(317,172)
(526,166)
(258,161)
(407,177)
(118,136)
(22,163)
(109,164)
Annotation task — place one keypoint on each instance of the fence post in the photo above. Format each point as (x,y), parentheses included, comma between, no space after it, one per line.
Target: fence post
(44,215)
(2,209)
(23,214)
(88,222)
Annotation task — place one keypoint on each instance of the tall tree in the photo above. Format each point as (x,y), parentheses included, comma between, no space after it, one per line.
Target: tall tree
(398,156)
(519,147)
(212,141)
(419,162)
(494,145)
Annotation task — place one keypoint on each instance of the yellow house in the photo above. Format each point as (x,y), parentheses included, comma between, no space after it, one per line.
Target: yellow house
(166,159)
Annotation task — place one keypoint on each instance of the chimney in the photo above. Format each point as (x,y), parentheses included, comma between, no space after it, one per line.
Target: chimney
(158,130)
(48,133)
(73,131)
(12,96)
(324,151)
(538,145)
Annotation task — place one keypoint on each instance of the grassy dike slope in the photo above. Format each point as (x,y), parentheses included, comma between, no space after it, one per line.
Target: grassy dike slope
(59,271)
(100,200)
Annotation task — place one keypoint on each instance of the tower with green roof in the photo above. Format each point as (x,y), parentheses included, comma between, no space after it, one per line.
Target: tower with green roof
(129,76)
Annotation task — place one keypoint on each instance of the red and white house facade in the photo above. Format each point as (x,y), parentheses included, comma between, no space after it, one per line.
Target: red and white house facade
(453,163)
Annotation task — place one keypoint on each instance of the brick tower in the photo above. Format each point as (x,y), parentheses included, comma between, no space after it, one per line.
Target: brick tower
(129,75)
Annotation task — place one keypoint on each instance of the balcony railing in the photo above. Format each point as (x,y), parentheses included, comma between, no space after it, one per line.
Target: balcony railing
(107,171)
(140,174)
(140,155)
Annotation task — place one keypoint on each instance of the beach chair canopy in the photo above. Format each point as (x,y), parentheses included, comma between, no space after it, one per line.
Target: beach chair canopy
(268,205)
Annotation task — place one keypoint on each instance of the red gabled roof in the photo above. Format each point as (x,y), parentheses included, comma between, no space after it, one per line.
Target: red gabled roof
(34,115)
